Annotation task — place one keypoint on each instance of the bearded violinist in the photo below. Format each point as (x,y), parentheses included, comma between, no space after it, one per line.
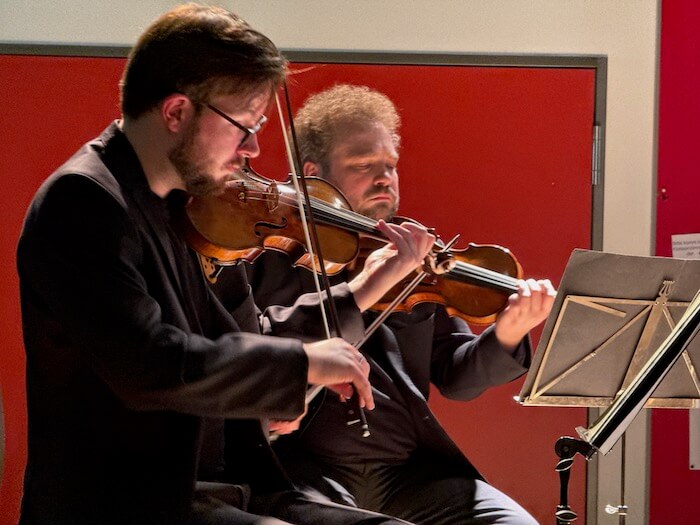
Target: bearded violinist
(132,363)
(408,467)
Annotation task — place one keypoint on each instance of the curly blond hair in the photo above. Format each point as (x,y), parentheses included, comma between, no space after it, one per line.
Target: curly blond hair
(321,117)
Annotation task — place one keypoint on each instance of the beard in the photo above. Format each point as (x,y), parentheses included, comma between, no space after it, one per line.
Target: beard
(192,168)
(380,210)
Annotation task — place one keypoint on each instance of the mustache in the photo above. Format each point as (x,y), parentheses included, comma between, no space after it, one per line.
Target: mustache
(374,192)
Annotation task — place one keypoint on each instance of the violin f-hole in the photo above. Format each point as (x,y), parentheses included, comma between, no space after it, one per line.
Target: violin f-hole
(269,225)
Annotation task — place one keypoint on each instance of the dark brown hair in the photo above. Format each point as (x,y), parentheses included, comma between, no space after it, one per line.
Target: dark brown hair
(200,51)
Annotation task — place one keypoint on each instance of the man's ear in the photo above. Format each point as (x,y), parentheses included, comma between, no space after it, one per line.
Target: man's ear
(175,110)
(311,169)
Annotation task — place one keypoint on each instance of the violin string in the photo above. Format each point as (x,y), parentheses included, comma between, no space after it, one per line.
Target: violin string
(479,274)
(468,270)
(330,214)
(353,221)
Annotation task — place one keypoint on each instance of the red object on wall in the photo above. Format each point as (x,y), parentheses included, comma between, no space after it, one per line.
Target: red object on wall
(673,486)
(499,155)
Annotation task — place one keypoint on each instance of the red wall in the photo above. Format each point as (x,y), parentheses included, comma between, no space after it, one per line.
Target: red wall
(496,154)
(50,106)
(674,487)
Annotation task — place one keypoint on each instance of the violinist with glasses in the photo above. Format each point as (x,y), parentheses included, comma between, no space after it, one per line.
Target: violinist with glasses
(408,467)
(145,396)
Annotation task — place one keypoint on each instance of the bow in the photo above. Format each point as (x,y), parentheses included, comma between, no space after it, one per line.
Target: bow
(312,243)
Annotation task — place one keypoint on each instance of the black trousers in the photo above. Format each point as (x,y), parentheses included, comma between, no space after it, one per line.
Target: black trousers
(419,490)
(223,504)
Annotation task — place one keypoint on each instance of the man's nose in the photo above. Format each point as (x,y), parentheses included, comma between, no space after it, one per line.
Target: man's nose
(250,147)
(383,177)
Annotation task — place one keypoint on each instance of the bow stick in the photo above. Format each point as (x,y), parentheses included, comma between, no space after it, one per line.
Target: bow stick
(312,242)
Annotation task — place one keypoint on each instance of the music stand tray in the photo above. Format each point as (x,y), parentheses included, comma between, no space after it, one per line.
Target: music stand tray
(610,314)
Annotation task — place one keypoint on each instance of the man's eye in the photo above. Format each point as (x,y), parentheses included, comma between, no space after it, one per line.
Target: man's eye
(362,167)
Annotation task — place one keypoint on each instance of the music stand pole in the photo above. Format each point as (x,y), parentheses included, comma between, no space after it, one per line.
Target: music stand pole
(621,509)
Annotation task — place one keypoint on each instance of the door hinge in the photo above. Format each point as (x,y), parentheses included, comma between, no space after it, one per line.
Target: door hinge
(596,155)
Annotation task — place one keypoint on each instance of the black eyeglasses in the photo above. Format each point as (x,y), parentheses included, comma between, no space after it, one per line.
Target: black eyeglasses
(248,131)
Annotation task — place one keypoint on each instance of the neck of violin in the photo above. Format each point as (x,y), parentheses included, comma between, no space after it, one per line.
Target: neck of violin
(463,272)
(347,220)
(469,273)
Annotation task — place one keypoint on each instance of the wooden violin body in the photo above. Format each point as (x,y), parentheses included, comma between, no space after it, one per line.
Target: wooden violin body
(256,214)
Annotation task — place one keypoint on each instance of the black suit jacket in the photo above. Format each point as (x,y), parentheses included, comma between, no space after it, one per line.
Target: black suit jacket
(417,349)
(127,350)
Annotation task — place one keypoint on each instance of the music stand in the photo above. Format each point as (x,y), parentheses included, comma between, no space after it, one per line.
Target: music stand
(611,314)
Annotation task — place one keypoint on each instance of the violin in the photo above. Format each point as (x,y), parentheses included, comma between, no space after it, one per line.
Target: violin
(475,288)
(255,213)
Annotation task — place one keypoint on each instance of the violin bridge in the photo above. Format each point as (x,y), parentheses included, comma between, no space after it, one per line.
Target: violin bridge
(272,196)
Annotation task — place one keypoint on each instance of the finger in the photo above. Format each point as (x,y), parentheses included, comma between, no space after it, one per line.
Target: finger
(364,364)
(430,241)
(364,392)
(421,239)
(551,293)
(399,236)
(523,288)
(395,232)
(359,372)
(515,299)
(535,305)
(424,240)
(546,296)
(549,287)
(344,390)
(283,427)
